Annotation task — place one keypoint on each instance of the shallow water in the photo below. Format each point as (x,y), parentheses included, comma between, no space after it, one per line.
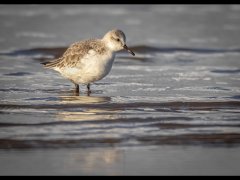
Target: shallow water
(181,89)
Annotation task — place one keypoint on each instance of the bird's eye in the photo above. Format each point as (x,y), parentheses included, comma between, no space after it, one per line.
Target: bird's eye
(118,39)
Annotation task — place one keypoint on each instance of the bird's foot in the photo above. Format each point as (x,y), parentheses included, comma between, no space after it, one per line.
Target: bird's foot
(88,90)
(76,90)
(76,93)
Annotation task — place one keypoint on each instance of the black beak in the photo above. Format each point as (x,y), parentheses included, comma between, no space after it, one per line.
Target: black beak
(125,47)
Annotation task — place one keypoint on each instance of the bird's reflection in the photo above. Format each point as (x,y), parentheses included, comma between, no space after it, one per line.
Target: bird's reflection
(88,161)
(83,99)
(83,112)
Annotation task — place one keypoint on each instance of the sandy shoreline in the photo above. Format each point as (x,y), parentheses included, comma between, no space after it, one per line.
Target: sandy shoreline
(161,160)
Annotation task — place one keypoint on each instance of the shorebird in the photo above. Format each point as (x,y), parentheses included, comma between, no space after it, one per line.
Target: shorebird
(87,61)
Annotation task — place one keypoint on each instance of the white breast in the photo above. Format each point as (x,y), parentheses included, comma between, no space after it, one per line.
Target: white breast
(90,68)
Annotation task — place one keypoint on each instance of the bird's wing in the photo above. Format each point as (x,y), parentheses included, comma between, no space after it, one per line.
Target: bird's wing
(73,55)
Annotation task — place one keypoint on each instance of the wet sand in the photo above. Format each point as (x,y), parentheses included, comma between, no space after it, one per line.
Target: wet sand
(161,160)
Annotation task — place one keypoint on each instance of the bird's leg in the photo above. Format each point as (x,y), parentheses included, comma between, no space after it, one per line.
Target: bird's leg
(88,88)
(76,88)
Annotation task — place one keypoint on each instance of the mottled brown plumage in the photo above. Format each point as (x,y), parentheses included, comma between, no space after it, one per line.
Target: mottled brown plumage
(75,53)
(90,60)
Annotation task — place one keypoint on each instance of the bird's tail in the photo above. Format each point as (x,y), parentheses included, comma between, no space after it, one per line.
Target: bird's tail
(51,64)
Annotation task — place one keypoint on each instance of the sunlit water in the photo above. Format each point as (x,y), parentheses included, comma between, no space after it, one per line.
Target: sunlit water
(181,88)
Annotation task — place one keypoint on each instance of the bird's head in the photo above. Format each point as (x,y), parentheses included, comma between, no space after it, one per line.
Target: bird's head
(116,41)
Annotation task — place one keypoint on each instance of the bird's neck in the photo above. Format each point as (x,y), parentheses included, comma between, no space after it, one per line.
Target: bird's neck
(109,45)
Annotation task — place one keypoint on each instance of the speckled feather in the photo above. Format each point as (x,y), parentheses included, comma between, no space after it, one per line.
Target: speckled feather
(76,52)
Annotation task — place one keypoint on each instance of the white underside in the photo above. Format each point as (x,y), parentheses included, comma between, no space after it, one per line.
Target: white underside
(90,68)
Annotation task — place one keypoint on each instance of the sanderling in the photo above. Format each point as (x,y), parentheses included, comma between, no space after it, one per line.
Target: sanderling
(87,61)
